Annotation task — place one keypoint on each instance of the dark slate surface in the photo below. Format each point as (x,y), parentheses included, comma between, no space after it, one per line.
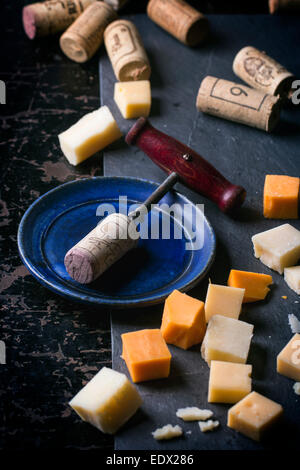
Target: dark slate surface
(244,155)
(53,346)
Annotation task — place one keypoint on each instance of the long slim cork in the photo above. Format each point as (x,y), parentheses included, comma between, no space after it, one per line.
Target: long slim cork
(101,248)
(275,5)
(52,16)
(84,37)
(179,19)
(126,51)
(238,103)
(262,72)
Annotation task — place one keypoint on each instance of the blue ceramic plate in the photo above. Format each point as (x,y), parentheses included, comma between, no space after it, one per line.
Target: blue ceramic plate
(60,218)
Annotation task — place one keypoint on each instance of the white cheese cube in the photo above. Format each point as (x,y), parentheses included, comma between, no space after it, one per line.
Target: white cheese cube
(278,248)
(292,278)
(209,425)
(133,98)
(193,414)
(107,401)
(91,133)
(226,339)
(167,432)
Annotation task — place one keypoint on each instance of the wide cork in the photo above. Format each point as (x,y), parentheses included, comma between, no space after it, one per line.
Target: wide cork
(126,51)
(238,103)
(84,37)
(260,71)
(101,248)
(179,19)
(53,16)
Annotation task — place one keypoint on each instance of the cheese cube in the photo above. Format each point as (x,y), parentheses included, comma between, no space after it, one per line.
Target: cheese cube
(226,339)
(255,284)
(223,300)
(228,382)
(107,401)
(278,248)
(91,133)
(254,415)
(288,360)
(146,355)
(183,322)
(133,98)
(292,278)
(281,197)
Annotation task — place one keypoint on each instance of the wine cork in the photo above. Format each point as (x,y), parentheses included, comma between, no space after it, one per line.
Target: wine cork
(126,51)
(262,72)
(179,19)
(101,248)
(238,103)
(84,37)
(52,16)
(275,5)
(116,4)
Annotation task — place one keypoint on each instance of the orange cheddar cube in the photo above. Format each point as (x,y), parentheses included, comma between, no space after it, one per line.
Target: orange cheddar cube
(146,355)
(183,322)
(281,197)
(255,284)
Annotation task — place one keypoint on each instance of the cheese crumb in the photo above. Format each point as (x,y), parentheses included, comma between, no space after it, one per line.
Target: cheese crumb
(294,323)
(167,432)
(193,414)
(296,388)
(208,425)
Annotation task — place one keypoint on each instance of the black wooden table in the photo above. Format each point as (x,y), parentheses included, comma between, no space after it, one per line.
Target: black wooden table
(54,346)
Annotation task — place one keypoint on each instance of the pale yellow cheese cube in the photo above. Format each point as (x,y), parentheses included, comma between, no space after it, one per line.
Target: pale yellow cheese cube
(226,339)
(278,248)
(254,415)
(228,382)
(292,278)
(288,360)
(91,133)
(133,98)
(107,401)
(223,300)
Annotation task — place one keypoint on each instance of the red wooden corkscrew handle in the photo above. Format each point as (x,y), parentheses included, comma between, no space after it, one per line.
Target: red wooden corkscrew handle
(193,170)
